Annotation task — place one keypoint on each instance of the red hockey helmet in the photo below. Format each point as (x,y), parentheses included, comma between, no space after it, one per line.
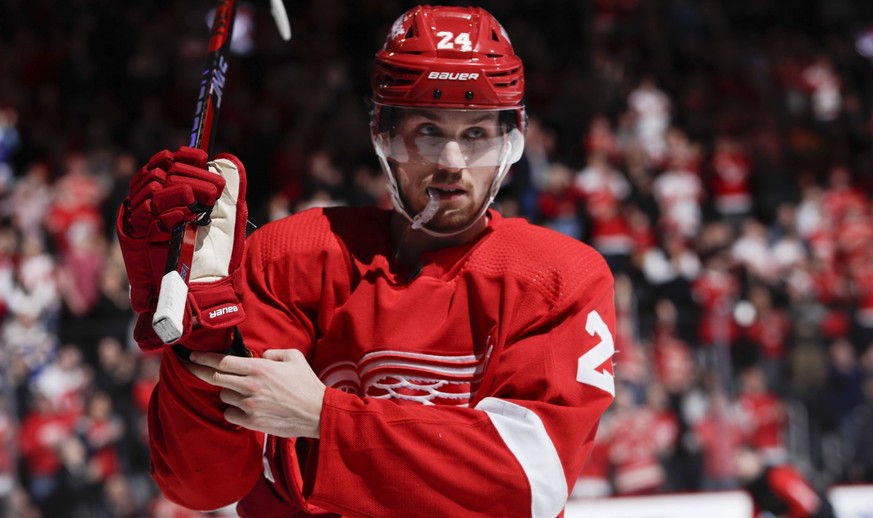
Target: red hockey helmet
(448,57)
(455,59)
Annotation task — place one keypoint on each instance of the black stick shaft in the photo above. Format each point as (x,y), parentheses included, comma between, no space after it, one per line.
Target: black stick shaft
(206,112)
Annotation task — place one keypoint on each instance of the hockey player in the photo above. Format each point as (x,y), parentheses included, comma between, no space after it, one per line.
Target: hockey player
(778,490)
(437,360)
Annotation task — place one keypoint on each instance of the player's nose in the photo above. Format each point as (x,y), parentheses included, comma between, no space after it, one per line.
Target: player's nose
(452,157)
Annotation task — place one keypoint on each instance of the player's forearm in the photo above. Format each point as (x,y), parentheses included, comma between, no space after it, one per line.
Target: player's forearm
(457,461)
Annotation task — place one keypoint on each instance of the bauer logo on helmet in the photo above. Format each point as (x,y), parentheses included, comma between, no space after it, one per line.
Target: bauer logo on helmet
(453,76)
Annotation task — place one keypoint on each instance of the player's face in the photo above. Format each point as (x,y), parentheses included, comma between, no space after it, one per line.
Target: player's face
(451,155)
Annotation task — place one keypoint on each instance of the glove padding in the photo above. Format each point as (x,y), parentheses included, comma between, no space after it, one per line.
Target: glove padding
(215,285)
(173,189)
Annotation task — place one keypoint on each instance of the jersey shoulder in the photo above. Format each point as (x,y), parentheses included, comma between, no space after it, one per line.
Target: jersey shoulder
(541,259)
(317,230)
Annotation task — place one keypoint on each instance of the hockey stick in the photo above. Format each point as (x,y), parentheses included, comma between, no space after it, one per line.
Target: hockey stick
(169,314)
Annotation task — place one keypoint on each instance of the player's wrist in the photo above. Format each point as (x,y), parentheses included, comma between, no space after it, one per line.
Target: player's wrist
(318,407)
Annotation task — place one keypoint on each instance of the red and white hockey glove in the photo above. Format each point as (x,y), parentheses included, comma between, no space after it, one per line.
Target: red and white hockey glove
(175,188)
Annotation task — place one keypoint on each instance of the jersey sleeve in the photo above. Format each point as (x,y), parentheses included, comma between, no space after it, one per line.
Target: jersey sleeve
(286,271)
(199,460)
(516,451)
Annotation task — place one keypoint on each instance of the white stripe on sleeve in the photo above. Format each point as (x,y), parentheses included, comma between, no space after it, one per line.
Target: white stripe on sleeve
(526,437)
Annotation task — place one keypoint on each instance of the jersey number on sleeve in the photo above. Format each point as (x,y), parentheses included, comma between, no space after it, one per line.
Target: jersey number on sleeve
(602,351)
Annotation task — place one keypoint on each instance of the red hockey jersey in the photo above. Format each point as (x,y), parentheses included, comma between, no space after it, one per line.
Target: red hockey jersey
(471,386)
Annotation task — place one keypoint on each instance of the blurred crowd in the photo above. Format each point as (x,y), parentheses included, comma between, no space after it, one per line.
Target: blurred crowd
(718,154)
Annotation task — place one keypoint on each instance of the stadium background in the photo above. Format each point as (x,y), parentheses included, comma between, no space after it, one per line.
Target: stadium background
(717,153)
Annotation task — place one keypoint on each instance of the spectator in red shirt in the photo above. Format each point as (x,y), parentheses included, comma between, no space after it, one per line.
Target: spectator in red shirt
(718,436)
(601,140)
(674,366)
(611,233)
(768,335)
(634,450)
(75,210)
(43,430)
(716,291)
(560,202)
(762,416)
(678,189)
(729,182)
(841,195)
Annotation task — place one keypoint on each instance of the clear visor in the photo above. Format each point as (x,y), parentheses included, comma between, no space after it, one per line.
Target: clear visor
(448,138)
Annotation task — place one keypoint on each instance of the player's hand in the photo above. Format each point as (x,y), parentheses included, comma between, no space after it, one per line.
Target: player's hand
(278,394)
(162,195)
(173,189)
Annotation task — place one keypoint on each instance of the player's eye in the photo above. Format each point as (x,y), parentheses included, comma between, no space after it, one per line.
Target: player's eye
(475,133)
(428,130)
